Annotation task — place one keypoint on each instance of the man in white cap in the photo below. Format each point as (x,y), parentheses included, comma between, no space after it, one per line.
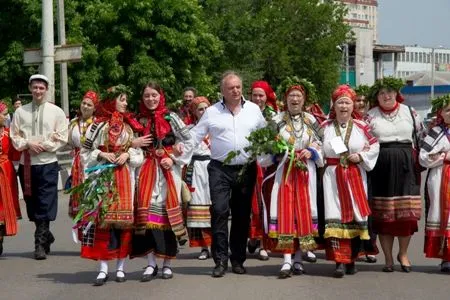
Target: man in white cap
(39,129)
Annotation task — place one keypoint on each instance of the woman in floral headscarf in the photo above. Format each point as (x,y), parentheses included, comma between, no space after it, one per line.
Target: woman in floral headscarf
(159,219)
(435,155)
(108,145)
(349,150)
(9,197)
(292,211)
(78,128)
(198,217)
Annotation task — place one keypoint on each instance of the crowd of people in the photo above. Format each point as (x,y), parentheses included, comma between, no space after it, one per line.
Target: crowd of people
(143,183)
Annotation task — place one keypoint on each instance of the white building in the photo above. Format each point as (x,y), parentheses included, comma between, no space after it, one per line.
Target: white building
(362,14)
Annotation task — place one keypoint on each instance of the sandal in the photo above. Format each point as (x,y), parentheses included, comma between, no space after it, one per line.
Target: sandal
(285,273)
(263,256)
(298,268)
(166,275)
(204,254)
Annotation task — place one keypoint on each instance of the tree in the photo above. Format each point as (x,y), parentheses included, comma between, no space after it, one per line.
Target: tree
(124,41)
(273,39)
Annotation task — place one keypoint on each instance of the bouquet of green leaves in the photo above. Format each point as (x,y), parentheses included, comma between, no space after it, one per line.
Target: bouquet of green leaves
(264,141)
(97,192)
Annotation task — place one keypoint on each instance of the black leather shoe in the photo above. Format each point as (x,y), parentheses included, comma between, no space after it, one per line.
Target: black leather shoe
(309,259)
(339,272)
(238,268)
(167,275)
(1,245)
(101,281)
(285,273)
(370,259)
(350,269)
(219,270)
(298,269)
(405,269)
(444,267)
(121,279)
(149,277)
(39,253)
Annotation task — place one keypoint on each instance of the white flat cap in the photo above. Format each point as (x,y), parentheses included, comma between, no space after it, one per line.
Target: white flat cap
(38,77)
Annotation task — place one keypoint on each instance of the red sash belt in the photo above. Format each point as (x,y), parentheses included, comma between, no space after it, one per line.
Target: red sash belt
(445,197)
(350,176)
(294,204)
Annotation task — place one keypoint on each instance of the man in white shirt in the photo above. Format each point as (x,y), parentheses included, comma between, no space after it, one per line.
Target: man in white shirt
(39,129)
(228,123)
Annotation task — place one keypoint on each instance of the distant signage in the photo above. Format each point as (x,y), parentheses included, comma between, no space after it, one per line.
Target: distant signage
(442,67)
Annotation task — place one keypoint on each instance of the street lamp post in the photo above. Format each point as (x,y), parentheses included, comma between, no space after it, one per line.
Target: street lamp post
(432,73)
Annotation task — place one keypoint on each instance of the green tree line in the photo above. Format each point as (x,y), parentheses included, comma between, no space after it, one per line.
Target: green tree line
(179,43)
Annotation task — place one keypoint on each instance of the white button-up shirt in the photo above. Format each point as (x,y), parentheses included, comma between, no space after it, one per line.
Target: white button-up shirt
(228,132)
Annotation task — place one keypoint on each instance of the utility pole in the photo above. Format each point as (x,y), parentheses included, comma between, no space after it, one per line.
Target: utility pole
(432,74)
(347,65)
(48,47)
(63,66)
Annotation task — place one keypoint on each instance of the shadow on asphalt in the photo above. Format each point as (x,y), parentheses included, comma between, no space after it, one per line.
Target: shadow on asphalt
(30,254)
(74,278)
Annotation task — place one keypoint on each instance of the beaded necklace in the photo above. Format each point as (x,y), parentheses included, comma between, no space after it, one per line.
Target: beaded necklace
(83,126)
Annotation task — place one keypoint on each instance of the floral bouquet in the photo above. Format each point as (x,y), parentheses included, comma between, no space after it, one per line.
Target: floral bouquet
(96,193)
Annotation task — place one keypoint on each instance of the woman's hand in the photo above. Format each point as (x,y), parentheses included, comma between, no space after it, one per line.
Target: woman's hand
(178,149)
(305,153)
(110,157)
(143,141)
(354,158)
(166,163)
(122,158)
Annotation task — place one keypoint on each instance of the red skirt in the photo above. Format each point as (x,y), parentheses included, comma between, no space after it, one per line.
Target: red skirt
(105,243)
(433,246)
(200,237)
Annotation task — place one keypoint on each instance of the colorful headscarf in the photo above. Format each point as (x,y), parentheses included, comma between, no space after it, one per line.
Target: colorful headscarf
(196,102)
(3,106)
(162,126)
(343,91)
(270,94)
(93,96)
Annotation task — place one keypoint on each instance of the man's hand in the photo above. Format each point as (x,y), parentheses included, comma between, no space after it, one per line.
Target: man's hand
(122,158)
(143,141)
(166,163)
(35,148)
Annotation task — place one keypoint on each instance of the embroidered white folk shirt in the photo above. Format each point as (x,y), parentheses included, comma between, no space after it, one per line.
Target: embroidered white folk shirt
(228,132)
(45,123)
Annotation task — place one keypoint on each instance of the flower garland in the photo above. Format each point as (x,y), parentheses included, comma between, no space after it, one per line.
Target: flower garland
(390,83)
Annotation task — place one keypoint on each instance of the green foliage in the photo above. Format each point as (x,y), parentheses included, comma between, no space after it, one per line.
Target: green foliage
(310,90)
(440,102)
(390,83)
(362,90)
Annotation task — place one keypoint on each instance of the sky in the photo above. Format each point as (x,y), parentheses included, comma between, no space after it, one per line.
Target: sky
(409,22)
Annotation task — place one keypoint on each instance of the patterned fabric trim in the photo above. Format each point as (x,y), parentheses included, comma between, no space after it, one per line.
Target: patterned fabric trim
(433,138)
(400,208)
(179,127)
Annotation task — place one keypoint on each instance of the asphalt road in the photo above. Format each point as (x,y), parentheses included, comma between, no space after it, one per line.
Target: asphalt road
(64,275)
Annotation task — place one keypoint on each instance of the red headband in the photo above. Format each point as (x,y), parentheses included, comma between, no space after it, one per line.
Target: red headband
(196,102)
(93,96)
(270,94)
(296,87)
(3,106)
(343,91)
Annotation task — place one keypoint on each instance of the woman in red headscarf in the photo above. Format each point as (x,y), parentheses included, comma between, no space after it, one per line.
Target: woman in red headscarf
(78,128)
(290,195)
(350,151)
(9,197)
(198,217)
(108,144)
(159,219)
(263,95)
(435,155)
